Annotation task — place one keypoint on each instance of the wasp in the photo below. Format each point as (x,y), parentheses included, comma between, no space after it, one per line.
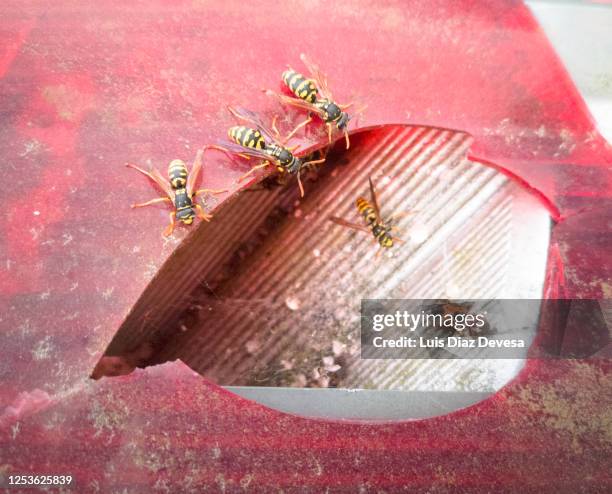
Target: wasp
(314,95)
(370,211)
(179,190)
(263,143)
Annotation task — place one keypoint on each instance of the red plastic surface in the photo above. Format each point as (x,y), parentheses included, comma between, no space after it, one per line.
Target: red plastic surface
(86,88)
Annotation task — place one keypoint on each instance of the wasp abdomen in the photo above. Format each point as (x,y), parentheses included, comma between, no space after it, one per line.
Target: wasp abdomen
(366,210)
(177,173)
(302,87)
(247,137)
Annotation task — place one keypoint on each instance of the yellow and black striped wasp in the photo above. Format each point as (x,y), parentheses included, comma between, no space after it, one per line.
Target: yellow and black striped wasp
(370,211)
(263,143)
(179,190)
(314,95)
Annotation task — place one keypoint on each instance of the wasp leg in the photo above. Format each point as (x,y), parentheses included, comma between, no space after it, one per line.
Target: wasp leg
(274,127)
(397,231)
(346,137)
(299,180)
(201,214)
(298,127)
(313,162)
(263,165)
(209,191)
(348,224)
(152,201)
(358,114)
(348,105)
(329,132)
(170,228)
(226,151)
(141,170)
(401,214)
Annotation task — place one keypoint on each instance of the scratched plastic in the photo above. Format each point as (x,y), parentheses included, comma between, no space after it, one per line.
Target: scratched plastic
(86,88)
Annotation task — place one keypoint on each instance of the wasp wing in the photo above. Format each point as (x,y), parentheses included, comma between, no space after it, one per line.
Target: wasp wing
(194,172)
(374,200)
(251,117)
(163,183)
(299,103)
(157,177)
(319,77)
(236,149)
(348,224)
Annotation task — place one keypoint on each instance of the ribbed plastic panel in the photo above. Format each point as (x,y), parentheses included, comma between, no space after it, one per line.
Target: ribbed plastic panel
(269,292)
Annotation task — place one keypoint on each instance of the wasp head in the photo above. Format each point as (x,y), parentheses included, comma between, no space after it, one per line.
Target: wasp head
(295,165)
(387,242)
(343,121)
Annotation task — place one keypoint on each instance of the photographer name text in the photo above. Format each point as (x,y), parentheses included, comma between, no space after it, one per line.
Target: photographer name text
(448,342)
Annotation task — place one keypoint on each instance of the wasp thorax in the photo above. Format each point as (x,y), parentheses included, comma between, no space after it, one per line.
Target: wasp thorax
(295,165)
(378,230)
(333,112)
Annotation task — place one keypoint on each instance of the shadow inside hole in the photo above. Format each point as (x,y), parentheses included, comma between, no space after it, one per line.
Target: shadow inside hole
(268,294)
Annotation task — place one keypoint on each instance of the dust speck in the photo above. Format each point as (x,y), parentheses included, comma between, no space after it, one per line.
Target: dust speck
(419,234)
(292,303)
(386,180)
(252,346)
(42,349)
(337,348)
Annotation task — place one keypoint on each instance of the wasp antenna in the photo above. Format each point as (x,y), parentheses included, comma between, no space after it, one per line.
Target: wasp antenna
(232,110)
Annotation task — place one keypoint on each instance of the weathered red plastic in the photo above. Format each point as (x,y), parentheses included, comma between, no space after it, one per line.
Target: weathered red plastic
(88,87)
